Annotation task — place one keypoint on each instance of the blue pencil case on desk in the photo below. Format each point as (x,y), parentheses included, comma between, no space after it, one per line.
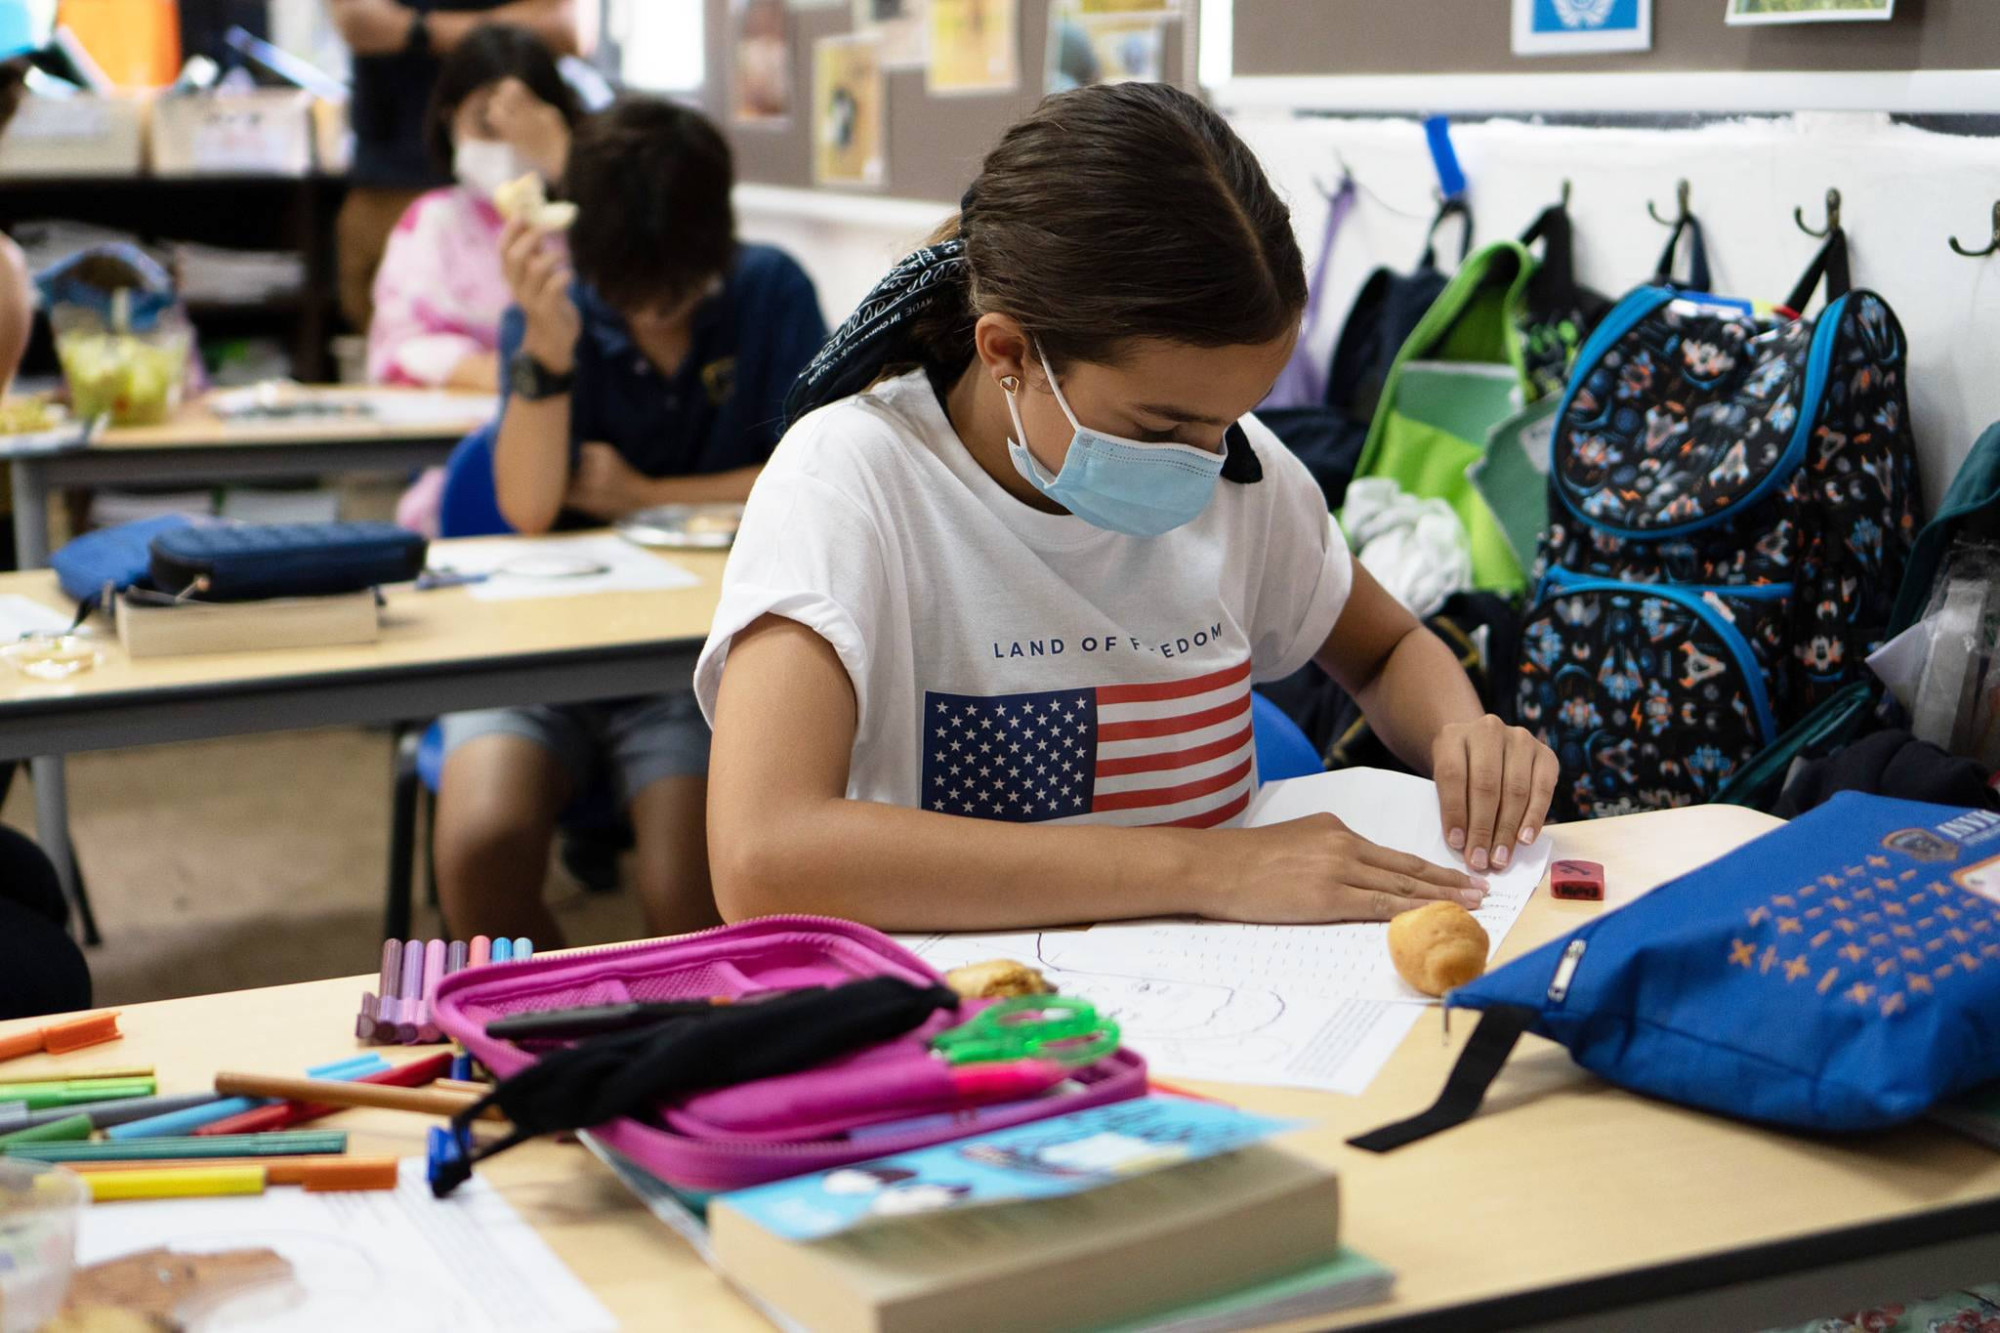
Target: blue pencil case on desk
(245,562)
(1839,973)
(115,557)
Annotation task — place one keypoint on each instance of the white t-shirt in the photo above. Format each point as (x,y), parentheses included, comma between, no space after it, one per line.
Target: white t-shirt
(1013,664)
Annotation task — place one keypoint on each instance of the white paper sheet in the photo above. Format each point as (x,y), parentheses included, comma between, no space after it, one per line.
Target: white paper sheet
(1301,1006)
(386,1261)
(527,567)
(23,615)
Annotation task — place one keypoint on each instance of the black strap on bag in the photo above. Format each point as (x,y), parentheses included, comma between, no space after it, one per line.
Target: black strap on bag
(1555,281)
(629,1073)
(1454,207)
(1831,264)
(1478,1065)
(1699,277)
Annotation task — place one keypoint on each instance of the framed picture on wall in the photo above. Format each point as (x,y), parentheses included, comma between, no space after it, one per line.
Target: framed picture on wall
(975,46)
(1581,27)
(850,127)
(898,25)
(760,73)
(1809,11)
(1086,48)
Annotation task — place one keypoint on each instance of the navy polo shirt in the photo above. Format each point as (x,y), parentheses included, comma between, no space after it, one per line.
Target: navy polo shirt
(724,407)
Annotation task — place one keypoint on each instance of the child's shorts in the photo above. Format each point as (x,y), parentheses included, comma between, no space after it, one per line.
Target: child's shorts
(631,742)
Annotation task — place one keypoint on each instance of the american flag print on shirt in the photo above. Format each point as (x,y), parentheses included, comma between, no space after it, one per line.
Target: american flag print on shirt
(1164,753)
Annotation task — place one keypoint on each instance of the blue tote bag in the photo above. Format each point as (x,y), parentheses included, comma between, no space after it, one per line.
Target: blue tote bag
(1839,973)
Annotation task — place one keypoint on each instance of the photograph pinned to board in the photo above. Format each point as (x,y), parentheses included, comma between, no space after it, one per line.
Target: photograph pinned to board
(1581,27)
(849,121)
(898,25)
(975,46)
(1810,11)
(760,71)
(1086,48)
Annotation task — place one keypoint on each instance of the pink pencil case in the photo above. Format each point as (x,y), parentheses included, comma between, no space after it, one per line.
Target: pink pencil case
(747,1134)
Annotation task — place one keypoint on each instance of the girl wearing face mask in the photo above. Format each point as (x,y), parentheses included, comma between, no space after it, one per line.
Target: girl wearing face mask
(987,636)
(500,110)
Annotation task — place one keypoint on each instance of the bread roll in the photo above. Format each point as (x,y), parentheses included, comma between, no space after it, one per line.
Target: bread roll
(1437,946)
(524,200)
(997,979)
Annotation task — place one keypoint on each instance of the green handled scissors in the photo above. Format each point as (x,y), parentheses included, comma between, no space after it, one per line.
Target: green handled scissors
(1030,1027)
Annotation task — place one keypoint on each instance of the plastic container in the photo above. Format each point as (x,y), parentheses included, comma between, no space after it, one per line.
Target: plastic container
(134,377)
(39,1207)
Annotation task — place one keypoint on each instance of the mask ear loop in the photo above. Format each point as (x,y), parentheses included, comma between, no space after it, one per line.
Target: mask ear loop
(1056,388)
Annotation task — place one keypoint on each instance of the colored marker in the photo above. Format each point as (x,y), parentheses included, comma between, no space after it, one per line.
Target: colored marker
(103,1115)
(503,949)
(69,1129)
(373,1007)
(175,1182)
(317,1174)
(454,959)
(305,1143)
(435,954)
(410,994)
(193,1118)
(283,1115)
(523,948)
(71,1034)
(424,1101)
(75,1092)
(481,952)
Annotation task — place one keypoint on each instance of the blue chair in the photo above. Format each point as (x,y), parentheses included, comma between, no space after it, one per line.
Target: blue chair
(1283,751)
(468,507)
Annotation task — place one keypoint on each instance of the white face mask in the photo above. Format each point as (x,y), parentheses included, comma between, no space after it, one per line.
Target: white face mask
(484,165)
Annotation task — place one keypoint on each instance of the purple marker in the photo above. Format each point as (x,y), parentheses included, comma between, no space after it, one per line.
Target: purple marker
(434,956)
(410,995)
(375,1009)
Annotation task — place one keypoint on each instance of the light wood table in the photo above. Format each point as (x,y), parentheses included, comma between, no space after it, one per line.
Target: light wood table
(441,651)
(1565,1204)
(197,447)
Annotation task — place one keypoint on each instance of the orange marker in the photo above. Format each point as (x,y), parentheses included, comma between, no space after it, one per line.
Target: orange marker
(58,1038)
(318,1175)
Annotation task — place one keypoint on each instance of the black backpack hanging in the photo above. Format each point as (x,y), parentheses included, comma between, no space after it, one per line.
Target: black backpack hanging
(1384,315)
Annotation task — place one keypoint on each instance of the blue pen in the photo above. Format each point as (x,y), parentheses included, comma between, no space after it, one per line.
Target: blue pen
(176,1123)
(523,948)
(503,949)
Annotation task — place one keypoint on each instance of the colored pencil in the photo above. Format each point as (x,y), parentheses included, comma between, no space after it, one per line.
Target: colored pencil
(69,1129)
(283,1115)
(424,1101)
(302,1143)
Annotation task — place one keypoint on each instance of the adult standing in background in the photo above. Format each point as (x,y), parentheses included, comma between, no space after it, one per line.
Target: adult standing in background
(397,48)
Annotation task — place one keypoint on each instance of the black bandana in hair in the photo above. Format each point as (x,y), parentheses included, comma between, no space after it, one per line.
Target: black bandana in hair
(878,333)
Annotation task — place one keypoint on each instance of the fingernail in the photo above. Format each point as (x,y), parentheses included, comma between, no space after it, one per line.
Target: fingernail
(1457,839)
(1479,858)
(1472,897)
(1527,836)
(1500,855)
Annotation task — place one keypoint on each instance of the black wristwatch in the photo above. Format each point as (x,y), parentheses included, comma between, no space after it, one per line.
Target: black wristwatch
(419,41)
(531,381)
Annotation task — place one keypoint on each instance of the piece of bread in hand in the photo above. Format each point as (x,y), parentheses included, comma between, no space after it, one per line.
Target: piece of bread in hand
(1437,946)
(524,200)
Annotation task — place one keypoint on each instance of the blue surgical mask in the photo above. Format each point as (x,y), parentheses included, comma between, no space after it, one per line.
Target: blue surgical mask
(1141,490)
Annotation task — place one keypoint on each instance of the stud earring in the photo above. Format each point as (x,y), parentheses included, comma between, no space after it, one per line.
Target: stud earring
(1010,384)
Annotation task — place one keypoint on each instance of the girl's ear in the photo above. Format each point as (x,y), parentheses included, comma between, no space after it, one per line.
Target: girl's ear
(1003,348)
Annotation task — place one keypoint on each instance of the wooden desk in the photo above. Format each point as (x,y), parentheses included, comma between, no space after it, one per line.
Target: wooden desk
(440,651)
(1565,1204)
(198,447)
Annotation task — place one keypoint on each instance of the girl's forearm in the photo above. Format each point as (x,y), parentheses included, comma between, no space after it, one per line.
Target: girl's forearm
(1419,690)
(531,462)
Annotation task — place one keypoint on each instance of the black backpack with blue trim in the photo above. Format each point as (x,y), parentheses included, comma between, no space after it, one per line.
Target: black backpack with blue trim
(1733,495)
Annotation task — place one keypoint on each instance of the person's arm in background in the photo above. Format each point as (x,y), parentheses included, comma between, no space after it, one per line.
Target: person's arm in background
(382,27)
(531,451)
(17,309)
(406,343)
(606,486)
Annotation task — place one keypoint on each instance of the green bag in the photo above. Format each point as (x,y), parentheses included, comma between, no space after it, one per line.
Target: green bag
(1425,441)
(1971,507)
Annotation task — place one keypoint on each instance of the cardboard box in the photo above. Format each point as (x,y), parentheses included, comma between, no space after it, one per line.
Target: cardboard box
(83,135)
(253,132)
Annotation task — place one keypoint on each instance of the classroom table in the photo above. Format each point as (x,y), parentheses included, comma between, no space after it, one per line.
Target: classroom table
(441,650)
(197,447)
(1565,1204)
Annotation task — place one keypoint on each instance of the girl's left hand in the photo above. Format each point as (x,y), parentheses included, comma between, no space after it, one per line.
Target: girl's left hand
(537,130)
(1494,785)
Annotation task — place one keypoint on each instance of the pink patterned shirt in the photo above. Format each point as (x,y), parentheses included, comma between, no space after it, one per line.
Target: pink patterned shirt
(439,294)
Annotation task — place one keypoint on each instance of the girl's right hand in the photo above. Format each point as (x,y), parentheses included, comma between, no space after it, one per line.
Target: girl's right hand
(538,274)
(1314,870)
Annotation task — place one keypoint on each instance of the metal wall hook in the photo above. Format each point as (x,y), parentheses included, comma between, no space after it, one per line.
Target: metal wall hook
(1832,217)
(1565,194)
(1681,194)
(1993,248)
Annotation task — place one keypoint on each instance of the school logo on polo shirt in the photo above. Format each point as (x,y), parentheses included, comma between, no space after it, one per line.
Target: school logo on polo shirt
(719,378)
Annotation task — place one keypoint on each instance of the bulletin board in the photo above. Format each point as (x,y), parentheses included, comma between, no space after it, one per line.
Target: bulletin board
(934,143)
(1419,37)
